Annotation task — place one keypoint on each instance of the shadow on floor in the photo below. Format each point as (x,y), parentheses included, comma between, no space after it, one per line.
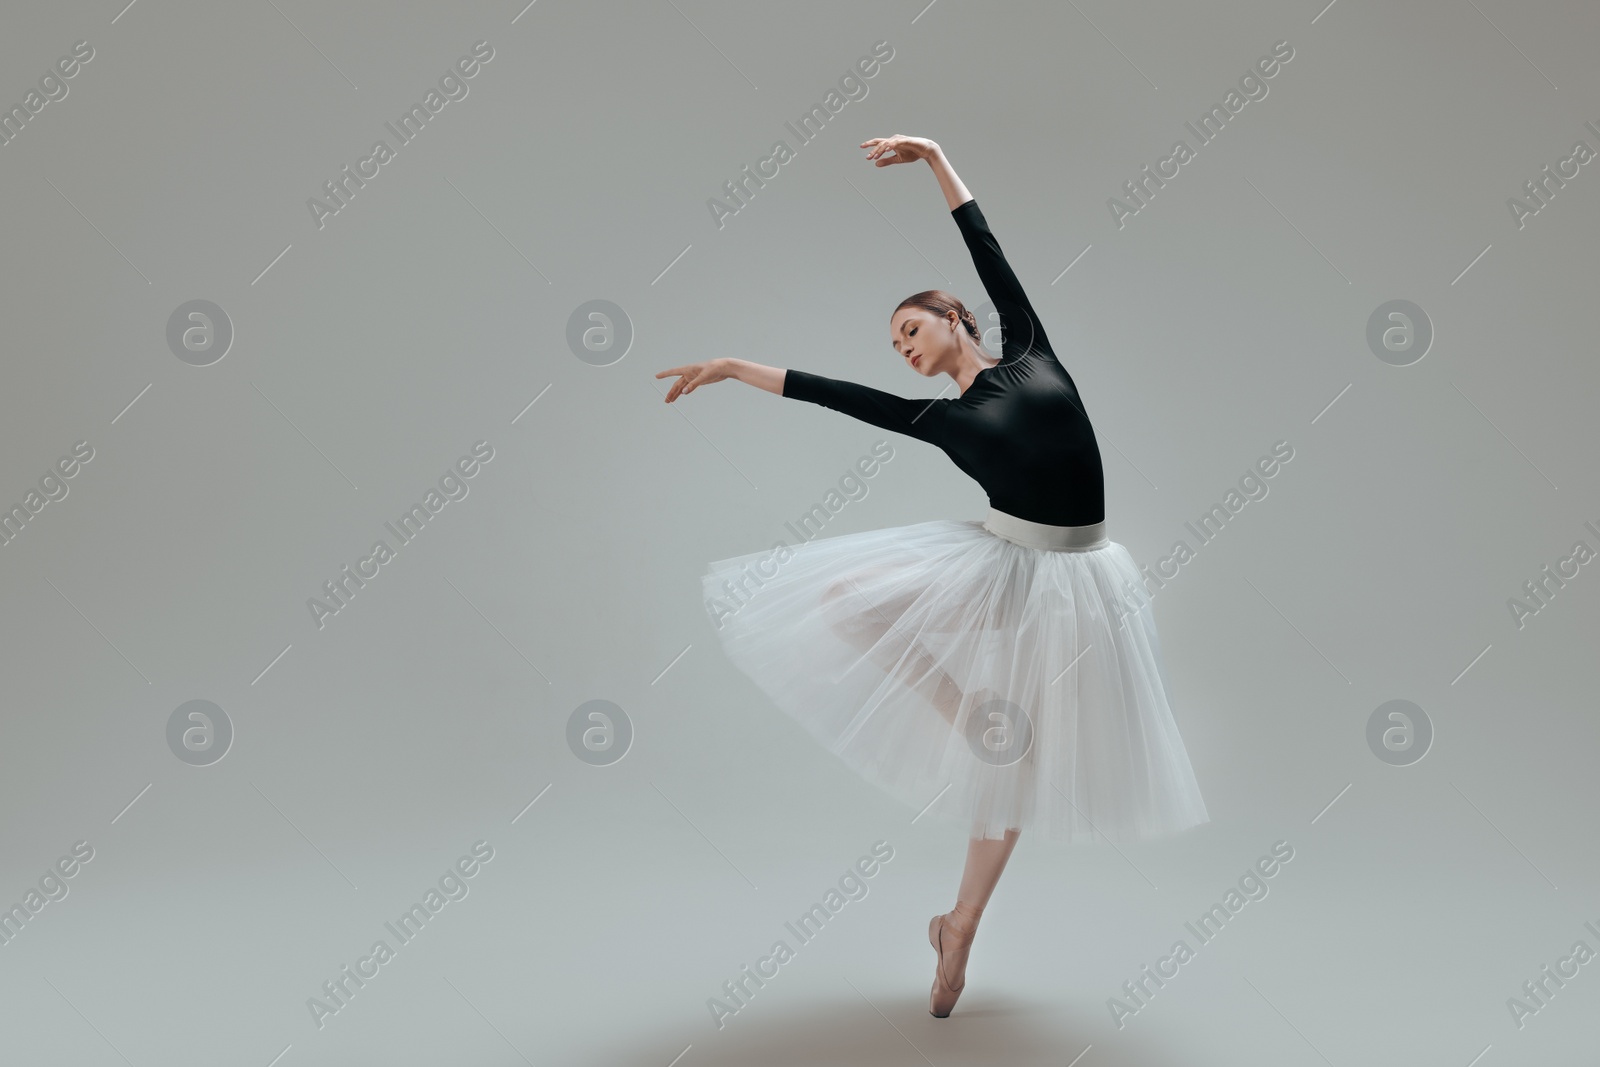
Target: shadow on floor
(886,1031)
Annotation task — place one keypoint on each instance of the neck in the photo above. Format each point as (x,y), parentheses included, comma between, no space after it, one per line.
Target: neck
(973,359)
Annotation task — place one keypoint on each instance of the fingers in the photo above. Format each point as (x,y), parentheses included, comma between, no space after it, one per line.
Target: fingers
(679,387)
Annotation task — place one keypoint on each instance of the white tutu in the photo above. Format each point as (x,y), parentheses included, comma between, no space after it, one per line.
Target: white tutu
(1062,724)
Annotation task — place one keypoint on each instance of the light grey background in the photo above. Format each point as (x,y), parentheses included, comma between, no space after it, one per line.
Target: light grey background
(1228,314)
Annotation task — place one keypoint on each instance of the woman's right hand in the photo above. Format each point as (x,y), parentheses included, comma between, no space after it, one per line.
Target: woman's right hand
(694,375)
(906,149)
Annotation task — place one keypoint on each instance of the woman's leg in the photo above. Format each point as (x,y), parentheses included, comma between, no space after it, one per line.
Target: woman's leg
(986,859)
(902,656)
(952,933)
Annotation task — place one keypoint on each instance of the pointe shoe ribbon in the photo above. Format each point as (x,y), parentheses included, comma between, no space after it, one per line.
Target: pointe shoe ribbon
(952,947)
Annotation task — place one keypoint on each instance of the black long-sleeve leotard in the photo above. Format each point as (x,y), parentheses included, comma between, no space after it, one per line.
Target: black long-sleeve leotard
(1020,429)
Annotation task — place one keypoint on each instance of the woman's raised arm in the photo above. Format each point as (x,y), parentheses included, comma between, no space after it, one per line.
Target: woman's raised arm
(910,149)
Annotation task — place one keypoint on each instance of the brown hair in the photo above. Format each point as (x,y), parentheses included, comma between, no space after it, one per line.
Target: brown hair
(942,303)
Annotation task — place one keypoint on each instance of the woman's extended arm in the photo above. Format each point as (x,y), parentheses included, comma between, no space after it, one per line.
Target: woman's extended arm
(921,419)
(720,369)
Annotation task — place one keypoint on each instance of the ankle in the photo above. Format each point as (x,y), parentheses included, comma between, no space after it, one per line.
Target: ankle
(964,916)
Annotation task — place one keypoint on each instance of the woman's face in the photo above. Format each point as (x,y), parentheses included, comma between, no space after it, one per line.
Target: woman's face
(927,342)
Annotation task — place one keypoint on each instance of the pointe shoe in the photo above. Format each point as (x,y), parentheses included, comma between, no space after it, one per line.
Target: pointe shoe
(950,971)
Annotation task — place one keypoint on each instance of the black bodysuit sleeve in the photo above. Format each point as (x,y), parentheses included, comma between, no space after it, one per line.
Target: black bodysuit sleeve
(1020,323)
(921,419)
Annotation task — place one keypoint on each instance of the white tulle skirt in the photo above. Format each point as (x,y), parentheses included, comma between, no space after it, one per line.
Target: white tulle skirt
(1003,673)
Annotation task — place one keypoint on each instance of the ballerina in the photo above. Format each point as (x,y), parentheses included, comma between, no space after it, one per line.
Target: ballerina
(1006,672)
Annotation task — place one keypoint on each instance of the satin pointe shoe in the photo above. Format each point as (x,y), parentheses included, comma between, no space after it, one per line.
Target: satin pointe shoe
(952,944)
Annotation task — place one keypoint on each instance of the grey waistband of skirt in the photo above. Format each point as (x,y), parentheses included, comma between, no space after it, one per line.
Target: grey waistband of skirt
(1040,535)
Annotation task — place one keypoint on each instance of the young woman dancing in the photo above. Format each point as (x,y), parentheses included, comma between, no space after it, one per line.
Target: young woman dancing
(1007,671)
